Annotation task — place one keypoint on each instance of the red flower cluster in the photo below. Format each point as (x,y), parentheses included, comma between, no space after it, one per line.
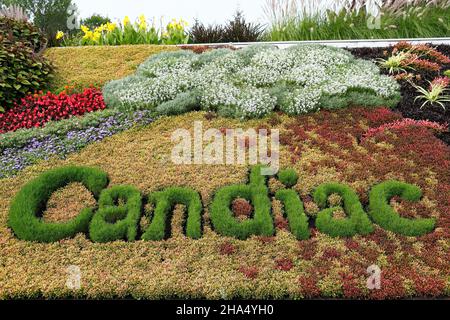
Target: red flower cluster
(36,110)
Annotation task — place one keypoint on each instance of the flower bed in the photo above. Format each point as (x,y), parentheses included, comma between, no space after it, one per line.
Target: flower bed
(320,148)
(61,139)
(36,110)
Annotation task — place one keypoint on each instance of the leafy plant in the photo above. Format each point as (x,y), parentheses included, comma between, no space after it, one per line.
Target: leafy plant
(239,30)
(48,15)
(235,30)
(397,62)
(435,94)
(14,31)
(213,33)
(294,211)
(22,69)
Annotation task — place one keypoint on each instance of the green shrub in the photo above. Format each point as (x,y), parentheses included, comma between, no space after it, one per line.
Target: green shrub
(384,215)
(235,30)
(164,202)
(293,208)
(257,193)
(28,205)
(22,69)
(288,177)
(357,221)
(13,31)
(117,222)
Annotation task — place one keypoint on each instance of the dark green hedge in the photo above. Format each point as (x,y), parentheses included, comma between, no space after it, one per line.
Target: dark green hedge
(357,221)
(257,193)
(384,215)
(165,202)
(29,204)
(117,222)
(293,208)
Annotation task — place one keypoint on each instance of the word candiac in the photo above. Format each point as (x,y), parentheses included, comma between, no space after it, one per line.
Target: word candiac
(120,208)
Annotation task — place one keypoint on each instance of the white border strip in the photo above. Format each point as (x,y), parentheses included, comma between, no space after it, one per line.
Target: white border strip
(375,43)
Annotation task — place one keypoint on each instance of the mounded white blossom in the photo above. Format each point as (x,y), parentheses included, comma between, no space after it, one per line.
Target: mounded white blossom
(248,81)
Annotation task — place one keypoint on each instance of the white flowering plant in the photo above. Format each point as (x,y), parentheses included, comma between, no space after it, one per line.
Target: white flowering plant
(253,82)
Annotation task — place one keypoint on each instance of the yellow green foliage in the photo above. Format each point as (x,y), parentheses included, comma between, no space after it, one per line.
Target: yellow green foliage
(84,66)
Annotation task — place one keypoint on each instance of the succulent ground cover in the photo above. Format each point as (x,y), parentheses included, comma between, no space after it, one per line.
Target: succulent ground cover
(357,146)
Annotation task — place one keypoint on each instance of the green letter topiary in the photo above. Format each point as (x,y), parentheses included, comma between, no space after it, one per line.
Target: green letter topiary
(288,177)
(385,216)
(257,193)
(165,202)
(115,222)
(357,220)
(293,207)
(30,202)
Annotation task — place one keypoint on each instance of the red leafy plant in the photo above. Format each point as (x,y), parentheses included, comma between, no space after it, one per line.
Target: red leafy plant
(249,272)
(227,249)
(242,208)
(284,264)
(406,56)
(400,124)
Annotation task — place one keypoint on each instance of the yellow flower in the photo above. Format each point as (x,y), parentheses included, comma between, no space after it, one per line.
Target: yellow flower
(184,23)
(88,35)
(59,35)
(111,27)
(96,36)
(99,29)
(126,21)
(142,22)
(85,29)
